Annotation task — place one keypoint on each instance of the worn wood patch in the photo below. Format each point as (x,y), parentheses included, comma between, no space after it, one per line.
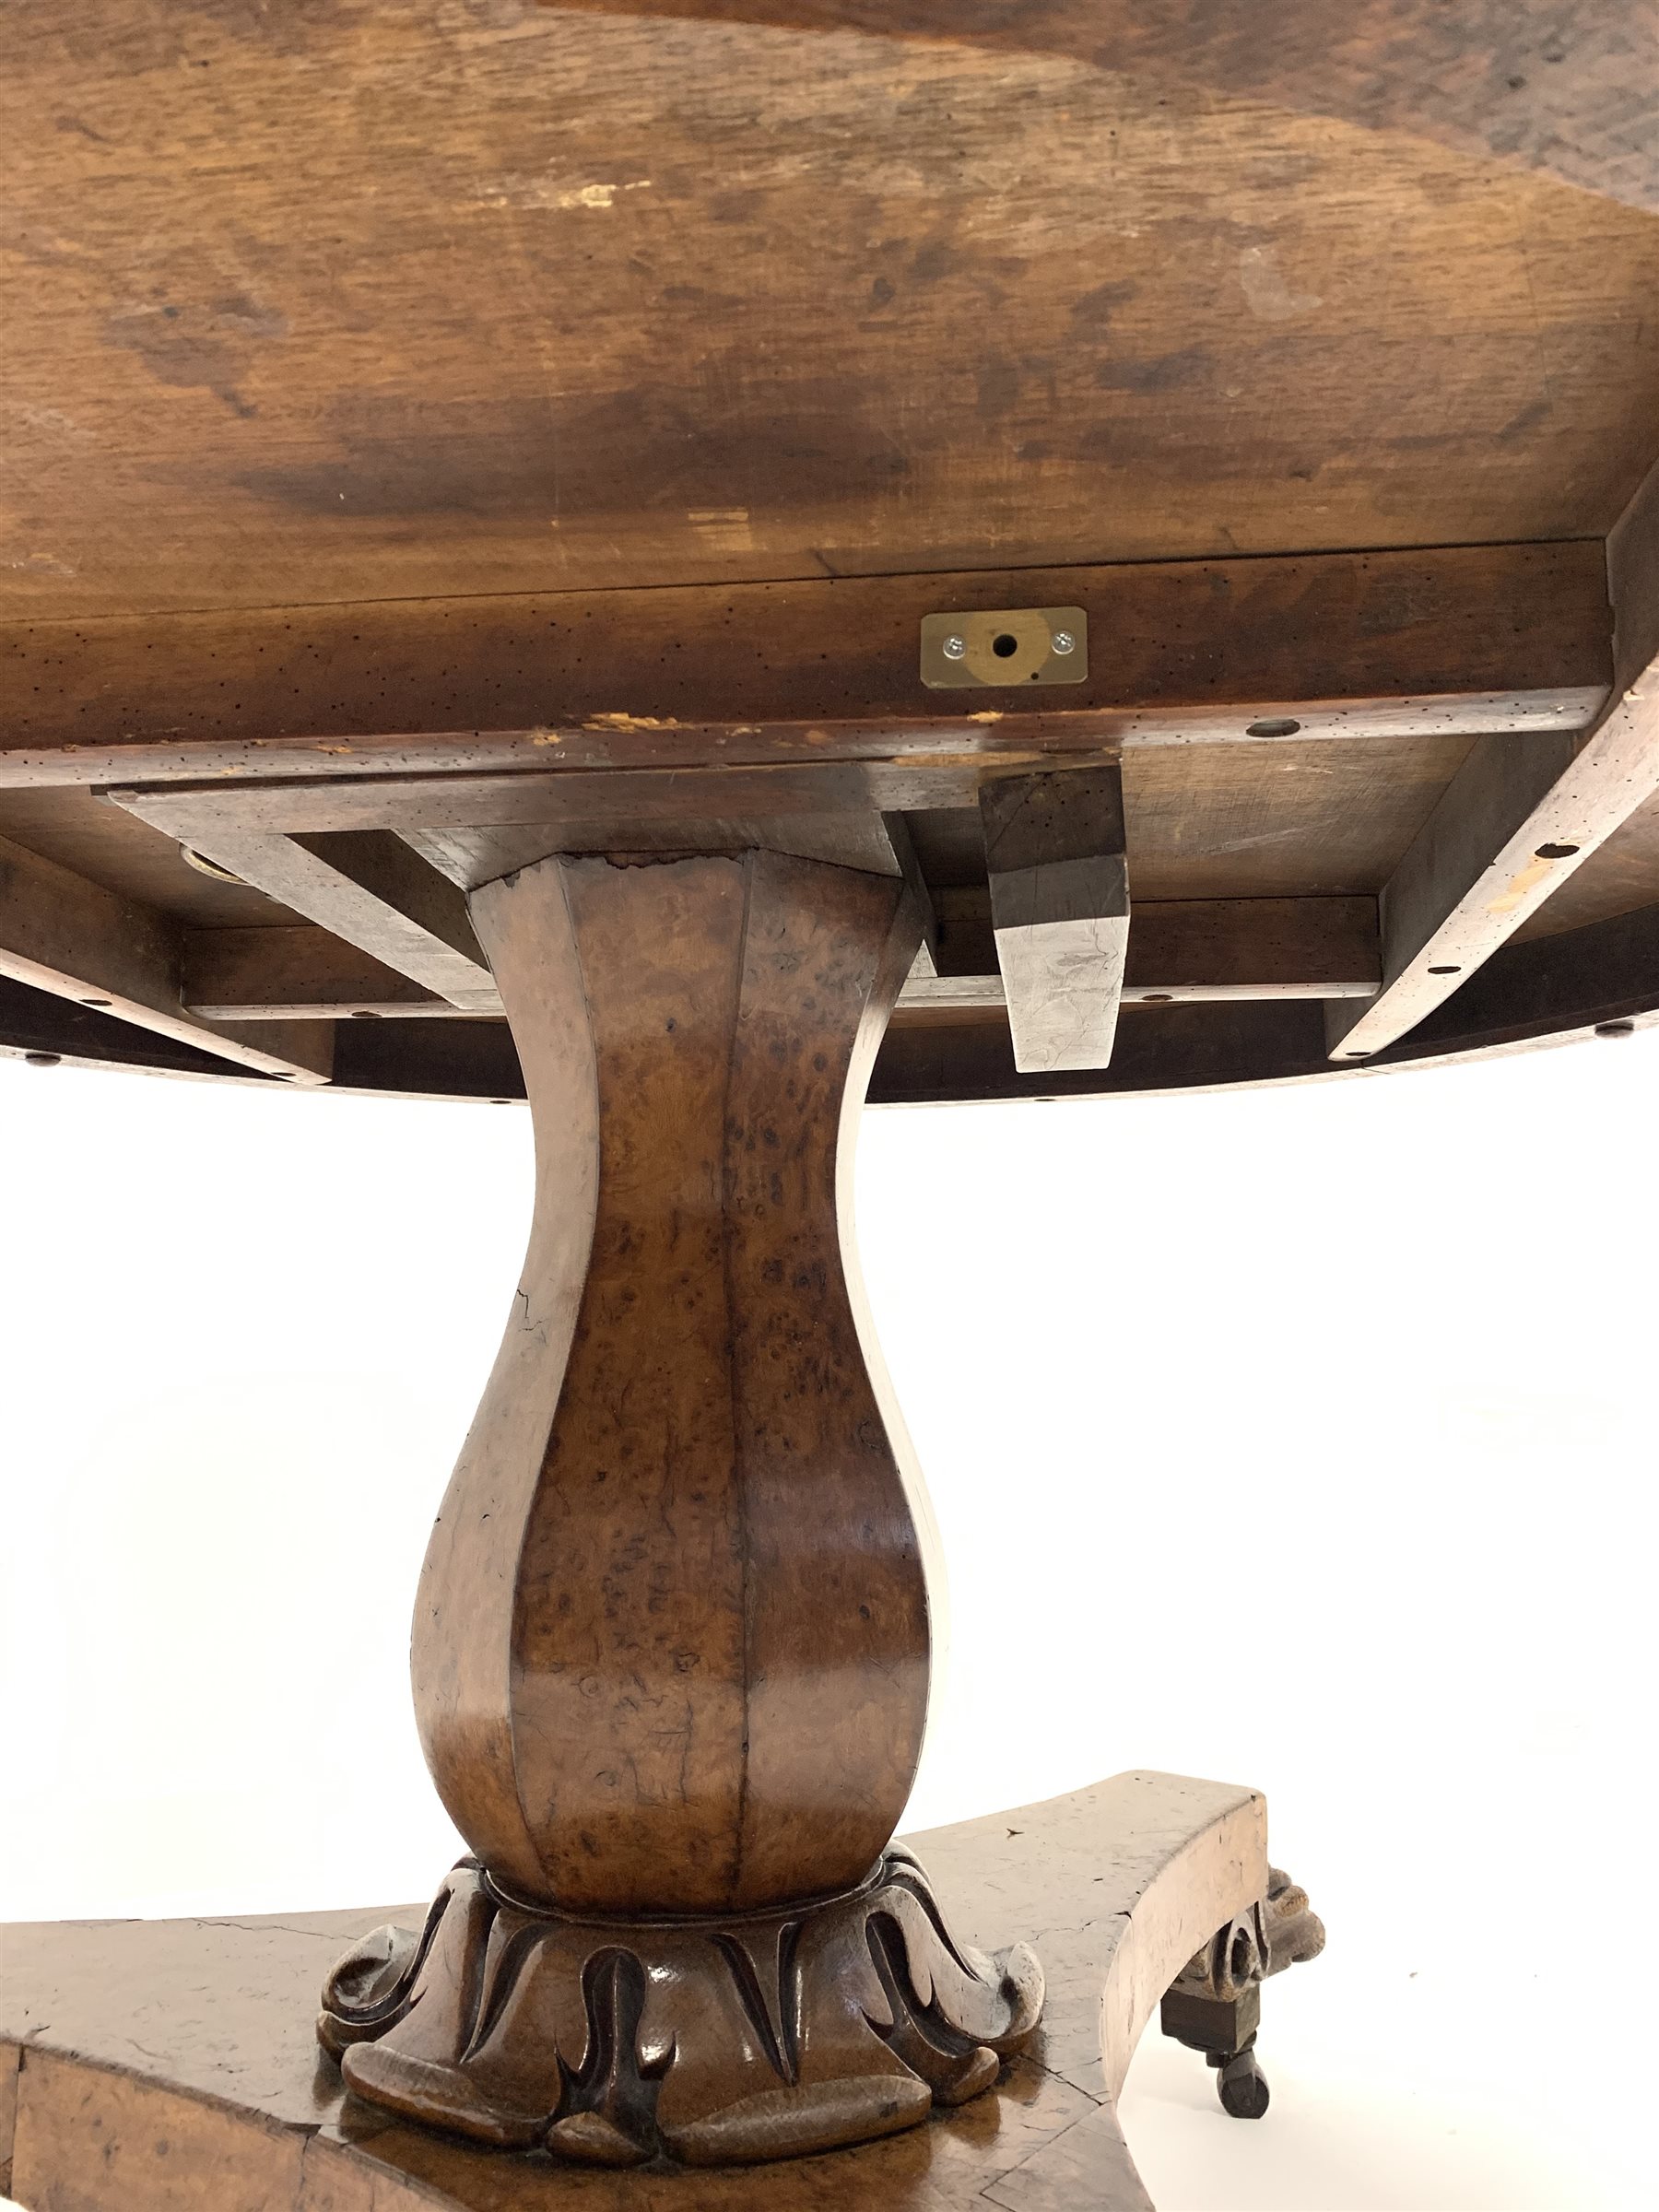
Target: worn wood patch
(90,2140)
(349,303)
(1559,87)
(10,2059)
(1059,886)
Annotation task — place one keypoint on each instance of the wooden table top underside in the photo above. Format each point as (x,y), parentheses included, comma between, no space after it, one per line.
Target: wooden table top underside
(435,437)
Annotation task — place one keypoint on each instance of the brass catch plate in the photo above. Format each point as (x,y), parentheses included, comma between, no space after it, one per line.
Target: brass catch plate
(1006,646)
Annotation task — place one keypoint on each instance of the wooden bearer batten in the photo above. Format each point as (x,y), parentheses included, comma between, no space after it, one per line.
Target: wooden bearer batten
(1219,686)
(1516,821)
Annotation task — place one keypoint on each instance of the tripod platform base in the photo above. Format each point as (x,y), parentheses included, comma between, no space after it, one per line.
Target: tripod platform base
(171,2066)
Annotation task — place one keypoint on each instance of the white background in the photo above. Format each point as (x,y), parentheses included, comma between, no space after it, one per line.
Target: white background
(1300,1438)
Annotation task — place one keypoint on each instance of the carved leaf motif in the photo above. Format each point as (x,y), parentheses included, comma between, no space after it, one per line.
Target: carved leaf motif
(702,2041)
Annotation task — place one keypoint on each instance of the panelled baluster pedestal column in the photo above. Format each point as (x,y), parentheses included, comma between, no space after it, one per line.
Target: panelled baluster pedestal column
(671,1645)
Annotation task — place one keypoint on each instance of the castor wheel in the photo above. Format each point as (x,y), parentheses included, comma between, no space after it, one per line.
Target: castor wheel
(1242,2085)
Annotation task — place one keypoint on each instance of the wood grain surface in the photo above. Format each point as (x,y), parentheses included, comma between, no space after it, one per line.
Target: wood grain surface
(372,890)
(347,302)
(289,970)
(1565,87)
(61,934)
(1458,637)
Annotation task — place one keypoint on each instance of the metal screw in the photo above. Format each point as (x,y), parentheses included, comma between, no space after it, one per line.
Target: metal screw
(955,648)
(1063,642)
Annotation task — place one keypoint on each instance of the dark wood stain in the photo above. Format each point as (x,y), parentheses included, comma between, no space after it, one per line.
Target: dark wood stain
(566,299)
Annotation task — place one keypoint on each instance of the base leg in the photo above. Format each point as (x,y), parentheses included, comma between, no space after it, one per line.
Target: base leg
(1214,2006)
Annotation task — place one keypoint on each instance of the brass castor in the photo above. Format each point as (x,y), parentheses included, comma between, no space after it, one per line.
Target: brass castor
(1242,2085)
(1215,2004)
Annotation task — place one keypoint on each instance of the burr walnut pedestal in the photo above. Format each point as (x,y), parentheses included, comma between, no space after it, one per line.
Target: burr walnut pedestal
(671,1663)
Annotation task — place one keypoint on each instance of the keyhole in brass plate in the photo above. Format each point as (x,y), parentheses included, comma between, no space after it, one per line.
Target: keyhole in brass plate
(1006,646)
